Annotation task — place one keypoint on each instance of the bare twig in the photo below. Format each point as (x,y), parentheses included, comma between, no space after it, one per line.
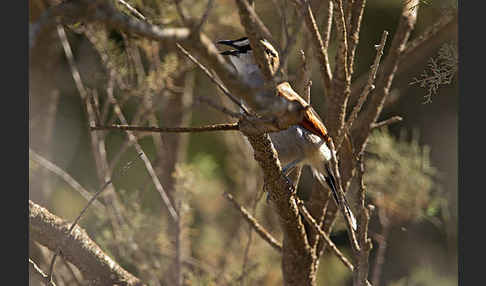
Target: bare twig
(256,31)
(215,127)
(58,250)
(146,160)
(385,78)
(264,234)
(93,198)
(213,79)
(417,50)
(257,23)
(205,16)
(44,277)
(181,12)
(133,10)
(97,142)
(361,275)
(386,122)
(67,178)
(218,107)
(316,227)
(304,82)
(368,88)
(341,81)
(371,79)
(354,25)
(290,42)
(320,50)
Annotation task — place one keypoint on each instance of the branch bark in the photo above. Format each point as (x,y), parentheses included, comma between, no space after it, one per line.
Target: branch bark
(78,248)
(384,78)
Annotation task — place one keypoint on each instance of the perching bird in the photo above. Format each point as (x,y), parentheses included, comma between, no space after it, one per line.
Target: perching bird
(302,144)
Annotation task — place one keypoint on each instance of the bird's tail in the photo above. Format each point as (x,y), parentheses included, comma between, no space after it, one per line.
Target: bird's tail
(331,182)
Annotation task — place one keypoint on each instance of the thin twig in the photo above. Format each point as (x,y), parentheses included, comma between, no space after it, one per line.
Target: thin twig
(248,10)
(290,42)
(341,82)
(218,107)
(215,127)
(146,160)
(58,251)
(36,269)
(367,89)
(384,78)
(320,50)
(417,50)
(95,196)
(362,257)
(386,122)
(354,19)
(213,79)
(180,11)
(133,10)
(205,16)
(264,234)
(67,178)
(371,79)
(328,240)
(97,142)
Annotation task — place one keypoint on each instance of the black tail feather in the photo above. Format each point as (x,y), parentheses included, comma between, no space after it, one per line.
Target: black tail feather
(331,181)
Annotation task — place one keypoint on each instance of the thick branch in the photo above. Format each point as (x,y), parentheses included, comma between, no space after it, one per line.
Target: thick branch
(78,248)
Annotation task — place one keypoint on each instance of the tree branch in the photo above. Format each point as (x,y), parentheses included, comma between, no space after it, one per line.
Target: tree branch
(67,178)
(384,79)
(256,31)
(78,248)
(42,276)
(368,88)
(320,50)
(264,234)
(417,51)
(215,127)
(341,82)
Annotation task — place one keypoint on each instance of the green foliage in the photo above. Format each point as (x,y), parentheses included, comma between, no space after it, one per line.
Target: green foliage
(425,275)
(399,176)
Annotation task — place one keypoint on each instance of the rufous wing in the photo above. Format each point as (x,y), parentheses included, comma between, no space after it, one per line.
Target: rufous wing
(312,121)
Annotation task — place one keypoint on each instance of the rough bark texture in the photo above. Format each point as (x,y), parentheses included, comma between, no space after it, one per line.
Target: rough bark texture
(78,248)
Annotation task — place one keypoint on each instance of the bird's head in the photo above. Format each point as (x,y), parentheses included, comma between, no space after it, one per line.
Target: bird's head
(242,55)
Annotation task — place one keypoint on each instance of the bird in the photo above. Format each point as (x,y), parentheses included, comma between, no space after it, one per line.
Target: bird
(306,143)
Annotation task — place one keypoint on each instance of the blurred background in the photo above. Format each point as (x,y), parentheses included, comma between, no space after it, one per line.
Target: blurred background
(411,166)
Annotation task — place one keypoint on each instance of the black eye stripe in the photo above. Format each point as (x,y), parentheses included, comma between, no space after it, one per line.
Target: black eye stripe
(270,52)
(244,48)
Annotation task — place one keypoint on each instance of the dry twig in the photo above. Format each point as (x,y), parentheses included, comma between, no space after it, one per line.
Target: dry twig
(264,234)
(215,127)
